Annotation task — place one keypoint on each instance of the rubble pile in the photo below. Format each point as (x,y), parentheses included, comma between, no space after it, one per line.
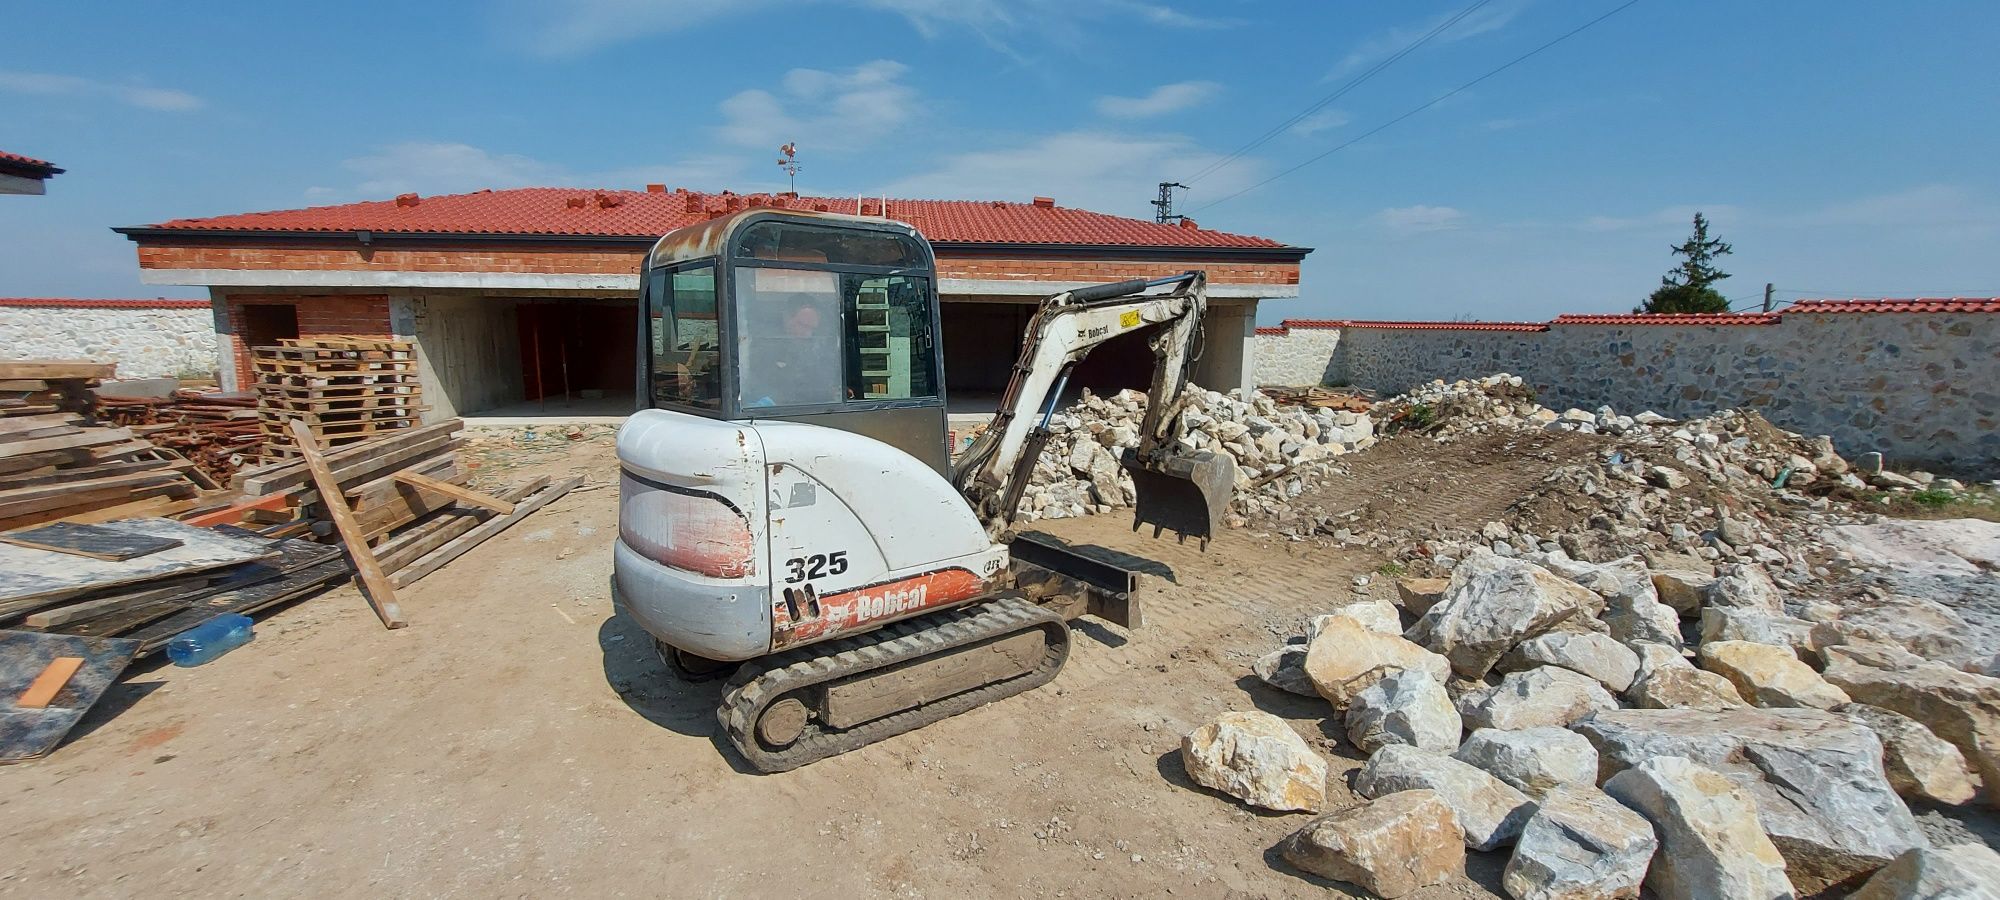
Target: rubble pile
(1273,446)
(1773,758)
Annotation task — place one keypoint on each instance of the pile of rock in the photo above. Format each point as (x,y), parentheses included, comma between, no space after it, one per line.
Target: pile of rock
(1691,730)
(1078,472)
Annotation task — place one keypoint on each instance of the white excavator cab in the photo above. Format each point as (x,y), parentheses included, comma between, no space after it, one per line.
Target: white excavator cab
(788,502)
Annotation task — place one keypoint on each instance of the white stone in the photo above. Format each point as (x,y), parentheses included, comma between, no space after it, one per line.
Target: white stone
(1580,845)
(1595,655)
(1257,758)
(1960,707)
(1285,669)
(1406,707)
(1375,615)
(1958,872)
(1489,810)
(1494,603)
(1770,676)
(1918,762)
(1544,696)
(1533,760)
(1390,847)
(1710,845)
(1744,586)
(1346,658)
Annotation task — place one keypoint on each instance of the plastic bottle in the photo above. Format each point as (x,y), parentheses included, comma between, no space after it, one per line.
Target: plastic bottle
(210,639)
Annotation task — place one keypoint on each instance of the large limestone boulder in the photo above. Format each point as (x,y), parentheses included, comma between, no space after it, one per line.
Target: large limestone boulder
(1917,761)
(1632,607)
(1817,778)
(1390,847)
(1406,707)
(1544,696)
(1580,845)
(1744,586)
(1494,603)
(1418,595)
(1961,872)
(1375,615)
(1599,656)
(1770,676)
(1923,627)
(1710,845)
(1285,669)
(1347,657)
(1960,707)
(1534,760)
(1720,623)
(1257,758)
(1667,680)
(1490,812)
(1682,591)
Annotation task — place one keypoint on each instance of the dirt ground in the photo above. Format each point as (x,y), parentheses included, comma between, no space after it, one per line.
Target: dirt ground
(521,739)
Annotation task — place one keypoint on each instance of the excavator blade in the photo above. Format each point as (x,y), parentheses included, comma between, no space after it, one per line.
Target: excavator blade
(1186,493)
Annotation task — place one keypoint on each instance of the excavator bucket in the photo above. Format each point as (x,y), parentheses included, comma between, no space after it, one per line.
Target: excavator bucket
(1185,493)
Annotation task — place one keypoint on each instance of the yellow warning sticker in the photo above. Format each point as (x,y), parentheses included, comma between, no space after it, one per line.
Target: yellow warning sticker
(1129,319)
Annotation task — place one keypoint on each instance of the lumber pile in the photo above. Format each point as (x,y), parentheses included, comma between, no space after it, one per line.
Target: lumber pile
(218,431)
(186,575)
(401,504)
(57,462)
(345,390)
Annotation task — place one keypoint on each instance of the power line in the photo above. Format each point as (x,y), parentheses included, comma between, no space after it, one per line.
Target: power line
(1866,295)
(1320,104)
(1428,104)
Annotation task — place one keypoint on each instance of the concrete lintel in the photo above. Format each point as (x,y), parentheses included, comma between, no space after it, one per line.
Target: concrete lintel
(1023,288)
(391,279)
(16,184)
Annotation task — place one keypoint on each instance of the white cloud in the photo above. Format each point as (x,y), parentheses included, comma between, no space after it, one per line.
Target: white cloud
(1098,170)
(1166,98)
(1385,44)
(1679,215)
(573,27)
(1418,219)
(442,167)
(1324,120)
(52,85)
(823,110)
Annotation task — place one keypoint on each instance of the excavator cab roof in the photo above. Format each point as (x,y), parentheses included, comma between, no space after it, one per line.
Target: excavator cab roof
(799,316)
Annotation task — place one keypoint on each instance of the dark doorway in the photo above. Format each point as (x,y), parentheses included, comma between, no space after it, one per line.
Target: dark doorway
(265,324)
(578,349)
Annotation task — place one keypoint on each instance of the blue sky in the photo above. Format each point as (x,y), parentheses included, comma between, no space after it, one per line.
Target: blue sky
(1846,148)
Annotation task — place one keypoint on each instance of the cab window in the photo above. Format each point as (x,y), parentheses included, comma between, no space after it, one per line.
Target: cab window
(796,242)
(686,344)
(813,337)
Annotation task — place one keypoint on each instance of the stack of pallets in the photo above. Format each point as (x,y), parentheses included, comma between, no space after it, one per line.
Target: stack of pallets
(344,389)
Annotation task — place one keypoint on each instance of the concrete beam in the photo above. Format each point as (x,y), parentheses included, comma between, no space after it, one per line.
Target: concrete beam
(316,278)
(16,184)
(1020,288)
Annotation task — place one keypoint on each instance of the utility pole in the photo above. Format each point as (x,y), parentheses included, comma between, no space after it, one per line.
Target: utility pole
(1767,296)
(1163,208)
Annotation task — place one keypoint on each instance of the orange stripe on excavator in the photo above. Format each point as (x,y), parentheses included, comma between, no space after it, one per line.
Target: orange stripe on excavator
(872,605)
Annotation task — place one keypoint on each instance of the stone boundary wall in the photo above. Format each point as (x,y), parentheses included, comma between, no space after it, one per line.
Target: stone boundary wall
(146,338)
(1294,358)
(1921,387)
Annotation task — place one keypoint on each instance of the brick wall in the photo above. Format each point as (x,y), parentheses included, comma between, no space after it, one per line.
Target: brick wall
(602,261)
(361,315)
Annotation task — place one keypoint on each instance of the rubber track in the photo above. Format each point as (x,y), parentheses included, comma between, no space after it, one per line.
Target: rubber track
(758,684)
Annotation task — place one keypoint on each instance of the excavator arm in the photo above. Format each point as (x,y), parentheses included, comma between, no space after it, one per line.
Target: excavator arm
(1185,492)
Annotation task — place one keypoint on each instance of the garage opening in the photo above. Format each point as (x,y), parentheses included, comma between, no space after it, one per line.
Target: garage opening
(265,324)
(982,341)
(578,356)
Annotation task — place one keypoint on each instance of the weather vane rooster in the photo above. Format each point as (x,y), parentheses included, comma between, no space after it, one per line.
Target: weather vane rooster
(788,160)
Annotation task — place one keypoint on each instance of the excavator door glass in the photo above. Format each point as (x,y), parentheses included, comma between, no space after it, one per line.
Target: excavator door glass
(685,344)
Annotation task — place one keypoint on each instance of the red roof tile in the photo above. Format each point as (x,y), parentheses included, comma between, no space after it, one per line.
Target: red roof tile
(1273,329)
(1915,305)
(17,161)
(574,212)
(1452,326)
(1666,319)
(101,303)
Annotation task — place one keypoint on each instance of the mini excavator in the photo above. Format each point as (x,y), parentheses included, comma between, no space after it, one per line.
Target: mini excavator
(790,516)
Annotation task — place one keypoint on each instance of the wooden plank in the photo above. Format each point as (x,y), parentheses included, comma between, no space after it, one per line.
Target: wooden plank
(15,424)
(461,494)
(129,479)
(100,606)
(30,385)
(50,683)
(89,540)
(359,472)
(292,473)
(88,438)
(152,507)
(244,601)
(450,551)
(31,733)
(385,488)
(64,476)
(56,369)
(412,544)
(48,509)
(375,584)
